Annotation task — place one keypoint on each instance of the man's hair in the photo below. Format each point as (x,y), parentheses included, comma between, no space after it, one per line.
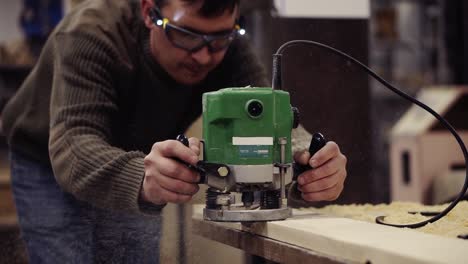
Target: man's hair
(209,8)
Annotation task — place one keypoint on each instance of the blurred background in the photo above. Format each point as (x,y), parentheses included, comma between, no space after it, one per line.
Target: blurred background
(395,151)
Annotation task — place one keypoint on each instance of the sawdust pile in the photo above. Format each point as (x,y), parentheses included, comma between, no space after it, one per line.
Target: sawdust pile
(453,224)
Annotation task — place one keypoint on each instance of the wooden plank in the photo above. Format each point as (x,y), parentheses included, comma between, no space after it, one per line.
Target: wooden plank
(265,247)
(7,205)
(4,176)
(4,167)
(8,222)
(338,238)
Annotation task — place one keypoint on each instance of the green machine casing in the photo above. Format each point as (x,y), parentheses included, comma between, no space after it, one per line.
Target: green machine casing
(242,128)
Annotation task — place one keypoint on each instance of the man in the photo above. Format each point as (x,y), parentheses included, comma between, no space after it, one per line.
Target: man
(116,82)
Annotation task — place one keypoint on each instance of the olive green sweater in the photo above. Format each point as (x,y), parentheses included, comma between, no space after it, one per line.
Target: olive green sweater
(97,101)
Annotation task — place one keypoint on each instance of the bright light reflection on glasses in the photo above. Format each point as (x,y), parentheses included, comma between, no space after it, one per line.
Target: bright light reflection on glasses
(192,41)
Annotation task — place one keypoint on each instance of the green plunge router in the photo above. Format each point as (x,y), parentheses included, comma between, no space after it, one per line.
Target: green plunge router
(249,130)
(247,150)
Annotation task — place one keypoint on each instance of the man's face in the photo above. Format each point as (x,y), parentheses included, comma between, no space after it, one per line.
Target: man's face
(183,66)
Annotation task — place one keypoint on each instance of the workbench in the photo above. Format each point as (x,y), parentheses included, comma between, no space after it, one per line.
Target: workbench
(310,237)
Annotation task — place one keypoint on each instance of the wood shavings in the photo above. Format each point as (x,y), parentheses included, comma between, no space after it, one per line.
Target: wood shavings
(453,224)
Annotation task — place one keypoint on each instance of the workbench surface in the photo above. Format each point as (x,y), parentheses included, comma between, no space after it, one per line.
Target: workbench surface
(309,237)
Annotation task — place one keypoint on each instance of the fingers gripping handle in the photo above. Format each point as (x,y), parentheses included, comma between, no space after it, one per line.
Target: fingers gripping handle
(184,140)
(317,142)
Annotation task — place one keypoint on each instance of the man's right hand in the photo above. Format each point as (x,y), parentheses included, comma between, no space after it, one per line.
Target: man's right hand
(166,179)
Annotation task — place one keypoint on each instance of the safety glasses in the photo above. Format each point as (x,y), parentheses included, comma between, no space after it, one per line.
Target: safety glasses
(192,41)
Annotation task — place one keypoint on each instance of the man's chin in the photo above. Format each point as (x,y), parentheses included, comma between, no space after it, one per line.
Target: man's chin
(190,79)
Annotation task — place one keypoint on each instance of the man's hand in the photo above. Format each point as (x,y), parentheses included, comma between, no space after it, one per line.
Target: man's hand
(166,179)
(325,181)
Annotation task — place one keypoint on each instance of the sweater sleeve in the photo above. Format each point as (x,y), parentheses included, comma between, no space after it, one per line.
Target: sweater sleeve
(83,103)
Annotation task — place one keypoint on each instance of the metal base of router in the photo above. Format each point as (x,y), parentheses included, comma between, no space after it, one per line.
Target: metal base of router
(247,215)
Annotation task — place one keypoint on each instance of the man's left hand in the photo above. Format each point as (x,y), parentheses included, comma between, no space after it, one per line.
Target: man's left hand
(325,181)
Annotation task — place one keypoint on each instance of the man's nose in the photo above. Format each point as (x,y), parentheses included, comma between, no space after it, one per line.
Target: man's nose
(202,56)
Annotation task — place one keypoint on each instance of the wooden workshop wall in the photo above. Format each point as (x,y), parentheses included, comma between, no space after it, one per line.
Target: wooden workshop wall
(332,94)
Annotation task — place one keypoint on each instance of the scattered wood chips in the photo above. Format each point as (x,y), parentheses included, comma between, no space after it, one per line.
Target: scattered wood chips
(453,224)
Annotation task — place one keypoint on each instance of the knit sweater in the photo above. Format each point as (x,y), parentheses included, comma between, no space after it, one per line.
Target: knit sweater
(97,100)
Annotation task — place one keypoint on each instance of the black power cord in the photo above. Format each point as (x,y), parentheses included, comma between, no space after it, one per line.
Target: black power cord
(277,84)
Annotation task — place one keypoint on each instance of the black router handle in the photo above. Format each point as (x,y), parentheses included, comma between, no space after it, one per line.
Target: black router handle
(317,142)
(184,140)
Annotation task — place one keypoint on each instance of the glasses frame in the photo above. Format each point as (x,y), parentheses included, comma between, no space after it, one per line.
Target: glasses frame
(160,21)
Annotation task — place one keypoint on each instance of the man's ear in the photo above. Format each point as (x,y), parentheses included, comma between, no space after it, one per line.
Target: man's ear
(146,6)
